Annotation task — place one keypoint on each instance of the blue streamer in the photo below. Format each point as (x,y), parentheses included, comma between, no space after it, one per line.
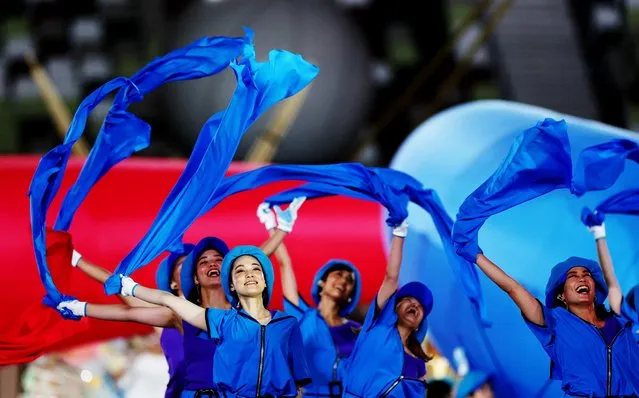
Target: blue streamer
(259,86)
(121,134)
(401,183)
(624,202)
(539,162)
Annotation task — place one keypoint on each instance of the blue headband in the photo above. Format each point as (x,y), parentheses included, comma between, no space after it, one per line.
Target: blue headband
(421,293)
(164,273)
(558,278)
(471,382)
(188,267)
(227,266)
(357,288)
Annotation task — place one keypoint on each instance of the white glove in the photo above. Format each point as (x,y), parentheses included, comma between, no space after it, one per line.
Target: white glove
(79,308)
(75,258)
(401,230)
(266,216)
(598,231)
(128,285)
(286,218)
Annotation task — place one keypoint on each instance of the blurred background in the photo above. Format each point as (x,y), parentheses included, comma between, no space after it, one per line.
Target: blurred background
(386,66)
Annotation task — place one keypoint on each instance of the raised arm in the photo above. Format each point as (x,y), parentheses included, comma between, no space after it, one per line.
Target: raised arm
(285,220)
(100,274)
(391,279)
(527,303)
(615,296)
(191,313)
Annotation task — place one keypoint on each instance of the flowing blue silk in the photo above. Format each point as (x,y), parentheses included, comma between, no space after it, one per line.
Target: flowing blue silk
(404,186)
(259,86)
(624,202)
(121,134)
(539,162)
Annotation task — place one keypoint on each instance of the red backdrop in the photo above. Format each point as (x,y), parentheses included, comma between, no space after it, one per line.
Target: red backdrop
(122,206)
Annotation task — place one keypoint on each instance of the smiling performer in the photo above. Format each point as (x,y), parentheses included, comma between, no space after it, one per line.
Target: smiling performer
(259,352)
(592,350)
(328,336)
(200,280)
(388,359)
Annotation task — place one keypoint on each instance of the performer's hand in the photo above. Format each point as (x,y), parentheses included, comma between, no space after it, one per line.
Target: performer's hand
(286,218)
(128,285)
(598,231)
(78,308)
(401,230)
(266,216)
(75,258)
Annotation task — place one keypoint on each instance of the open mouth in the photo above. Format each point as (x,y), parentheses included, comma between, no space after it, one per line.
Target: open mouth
(339,289)
(213,273)
(412,311)
(250,283)
(583,289)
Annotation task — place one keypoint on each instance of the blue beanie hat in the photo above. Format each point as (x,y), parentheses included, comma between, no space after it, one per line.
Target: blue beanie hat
(188,267)
(421,293)
(164,273)
(357,288)
(227,266)
(558,278)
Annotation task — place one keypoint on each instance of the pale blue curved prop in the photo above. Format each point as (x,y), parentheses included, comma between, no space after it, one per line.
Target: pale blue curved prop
(454,152)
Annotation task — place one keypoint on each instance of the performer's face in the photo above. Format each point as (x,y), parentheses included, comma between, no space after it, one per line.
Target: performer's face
(175,276)
(579,287)
(339,285)
(410,312)
(247,277)
(207,273)
(485,391)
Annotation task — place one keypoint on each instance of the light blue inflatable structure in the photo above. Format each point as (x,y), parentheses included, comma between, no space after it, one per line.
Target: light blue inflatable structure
(453,153)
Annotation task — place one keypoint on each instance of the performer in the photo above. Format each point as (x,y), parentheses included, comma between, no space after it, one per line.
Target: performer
(200,282)
(328,336)
(388,359)
(476,384)
(259,352)
(592,350)
(167,279)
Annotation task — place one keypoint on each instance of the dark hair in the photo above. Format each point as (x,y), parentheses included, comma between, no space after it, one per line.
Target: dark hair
(439,389)
(336,267)
(234,293)
(415,347)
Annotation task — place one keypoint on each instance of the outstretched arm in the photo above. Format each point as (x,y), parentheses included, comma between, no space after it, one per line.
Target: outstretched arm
(100,274)
(391,279)
(527,303)
(152,316)
(614,290)
(191,313)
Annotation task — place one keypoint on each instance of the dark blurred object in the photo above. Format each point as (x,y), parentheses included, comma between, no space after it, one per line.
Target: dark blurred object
(608,50)
(337,101)
(439,389)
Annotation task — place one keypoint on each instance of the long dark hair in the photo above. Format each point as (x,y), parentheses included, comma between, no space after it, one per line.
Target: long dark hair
(415,347)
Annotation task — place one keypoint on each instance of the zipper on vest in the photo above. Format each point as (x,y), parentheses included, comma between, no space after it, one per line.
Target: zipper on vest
(261,367)
(392,386)
(609,360)
(335,365)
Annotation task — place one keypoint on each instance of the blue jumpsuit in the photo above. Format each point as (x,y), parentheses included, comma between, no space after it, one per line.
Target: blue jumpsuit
(589,361)
(376,366)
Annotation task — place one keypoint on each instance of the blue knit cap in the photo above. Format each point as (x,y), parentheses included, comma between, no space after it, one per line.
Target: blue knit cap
(357,288)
